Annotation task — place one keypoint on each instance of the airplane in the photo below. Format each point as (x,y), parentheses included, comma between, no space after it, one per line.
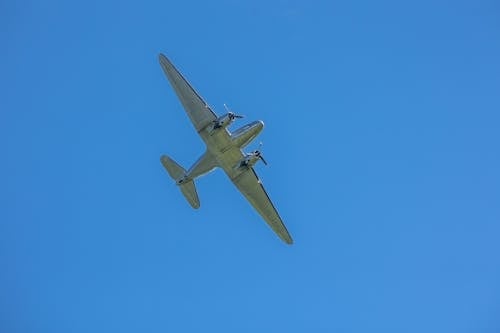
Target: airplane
(224,149)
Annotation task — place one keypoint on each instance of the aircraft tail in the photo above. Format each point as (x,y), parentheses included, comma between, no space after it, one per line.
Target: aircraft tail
(179,175)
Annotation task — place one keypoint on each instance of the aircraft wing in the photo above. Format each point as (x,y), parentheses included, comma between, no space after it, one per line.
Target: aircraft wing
(198,111)
(251,187)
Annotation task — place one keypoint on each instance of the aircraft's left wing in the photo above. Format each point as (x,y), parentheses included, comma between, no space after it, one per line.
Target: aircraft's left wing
(251,187)
(198,111)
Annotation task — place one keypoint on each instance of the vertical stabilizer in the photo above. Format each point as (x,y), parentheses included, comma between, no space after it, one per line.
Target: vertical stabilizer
(179,175)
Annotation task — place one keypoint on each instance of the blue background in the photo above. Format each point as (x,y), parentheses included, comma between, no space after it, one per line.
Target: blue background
(382,136)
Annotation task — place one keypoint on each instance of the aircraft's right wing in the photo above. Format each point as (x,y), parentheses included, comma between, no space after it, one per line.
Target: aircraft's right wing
(251,187)
(198,111)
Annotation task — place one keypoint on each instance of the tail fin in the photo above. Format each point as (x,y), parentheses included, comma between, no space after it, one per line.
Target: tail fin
(179,175)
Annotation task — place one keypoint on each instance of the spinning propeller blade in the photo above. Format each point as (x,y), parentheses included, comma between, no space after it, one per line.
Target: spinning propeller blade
(231,113)
(259,154)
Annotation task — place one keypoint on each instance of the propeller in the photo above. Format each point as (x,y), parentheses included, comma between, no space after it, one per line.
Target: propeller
(231,114)
(259,154)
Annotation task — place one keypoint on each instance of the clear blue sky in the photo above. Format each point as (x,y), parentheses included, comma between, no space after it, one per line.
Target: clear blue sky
(382,136)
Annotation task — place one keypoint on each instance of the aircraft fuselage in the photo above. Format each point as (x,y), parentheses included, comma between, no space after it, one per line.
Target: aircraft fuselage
(224,148)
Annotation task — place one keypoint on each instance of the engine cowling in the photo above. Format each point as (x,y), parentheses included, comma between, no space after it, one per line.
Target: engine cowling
(251,158)
(223,121)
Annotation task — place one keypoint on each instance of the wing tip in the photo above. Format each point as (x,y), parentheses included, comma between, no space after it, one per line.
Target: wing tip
(284,235)
(164,60)
(195,205)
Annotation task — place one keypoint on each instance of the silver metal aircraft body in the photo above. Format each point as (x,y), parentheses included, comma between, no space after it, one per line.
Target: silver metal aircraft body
(223,150)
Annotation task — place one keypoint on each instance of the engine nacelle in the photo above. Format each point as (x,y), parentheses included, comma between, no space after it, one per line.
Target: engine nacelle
(223,121)
(249,160)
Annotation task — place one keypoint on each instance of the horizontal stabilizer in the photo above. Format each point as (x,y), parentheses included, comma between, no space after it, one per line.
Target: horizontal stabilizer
(189,191)
(174,170)
(179,175)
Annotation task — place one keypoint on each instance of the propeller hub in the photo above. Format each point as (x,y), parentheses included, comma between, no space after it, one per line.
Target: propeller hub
(231,114)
